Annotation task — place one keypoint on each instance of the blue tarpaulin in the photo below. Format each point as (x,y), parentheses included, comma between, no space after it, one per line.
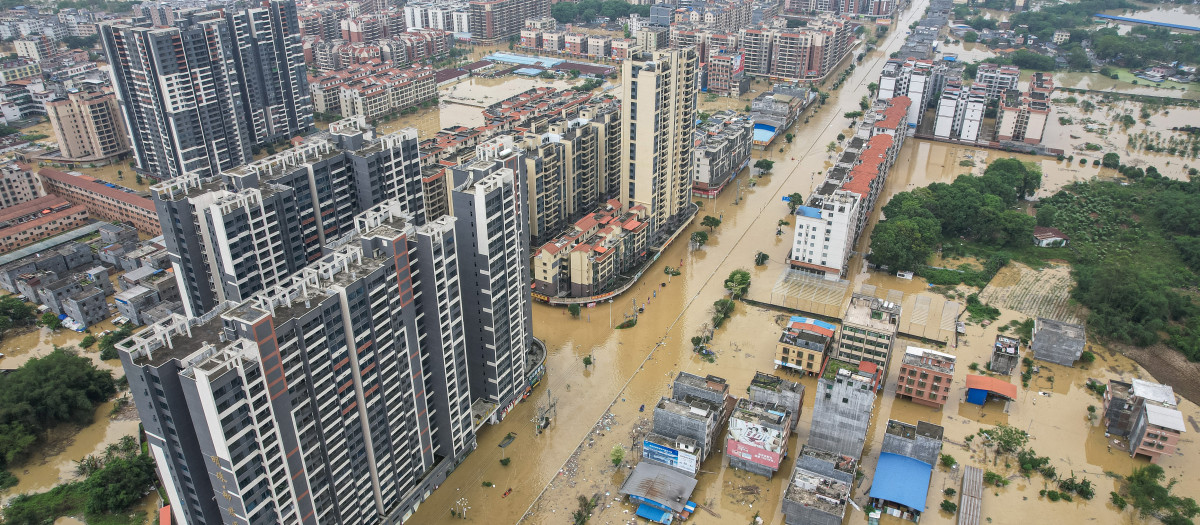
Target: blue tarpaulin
(654,514)
(977,396)
(902,480)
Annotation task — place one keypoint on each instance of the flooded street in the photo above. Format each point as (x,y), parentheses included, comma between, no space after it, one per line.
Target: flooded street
(634,366)
(599,407)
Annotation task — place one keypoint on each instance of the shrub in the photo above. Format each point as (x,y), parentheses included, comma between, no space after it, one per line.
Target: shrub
(948,461)
(1117,500)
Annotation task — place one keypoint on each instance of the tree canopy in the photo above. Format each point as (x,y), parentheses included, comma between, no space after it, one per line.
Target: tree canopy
(59,388)
(1138,250)
(587,10)
(980,209)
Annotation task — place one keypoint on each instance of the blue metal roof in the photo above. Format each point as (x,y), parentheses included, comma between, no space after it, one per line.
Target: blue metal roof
(654,514)
(902,480)
(818,322)
(806,211)
(1147,22)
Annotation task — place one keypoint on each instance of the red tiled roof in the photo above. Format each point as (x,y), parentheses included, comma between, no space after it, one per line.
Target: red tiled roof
(90,184)
(1046,232)
(993,385)
(896,110)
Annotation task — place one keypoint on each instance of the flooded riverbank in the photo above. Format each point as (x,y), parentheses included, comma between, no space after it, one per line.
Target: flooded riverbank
(52,462)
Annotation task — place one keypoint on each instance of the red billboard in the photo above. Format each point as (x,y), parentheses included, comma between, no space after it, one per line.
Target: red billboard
(752,453)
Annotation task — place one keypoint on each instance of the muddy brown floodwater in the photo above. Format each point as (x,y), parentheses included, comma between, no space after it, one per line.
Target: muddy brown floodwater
(598,407)
(53,461)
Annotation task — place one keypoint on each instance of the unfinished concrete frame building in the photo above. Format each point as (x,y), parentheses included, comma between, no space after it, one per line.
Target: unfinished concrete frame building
(842,413)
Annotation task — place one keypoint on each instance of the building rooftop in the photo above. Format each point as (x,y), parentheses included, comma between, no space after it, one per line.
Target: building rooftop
(663,485)
(1165,417)
(902,480)
(821,480)
(692,408)
(711,382)
(929,359)
(872,313)
(1057,342)
(759,414)
(775,383)
(1150,391)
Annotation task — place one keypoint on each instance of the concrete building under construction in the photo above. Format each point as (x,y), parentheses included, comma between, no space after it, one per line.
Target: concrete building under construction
(842,411)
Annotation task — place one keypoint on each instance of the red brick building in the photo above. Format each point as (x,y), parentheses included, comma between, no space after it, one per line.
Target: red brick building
(925,376)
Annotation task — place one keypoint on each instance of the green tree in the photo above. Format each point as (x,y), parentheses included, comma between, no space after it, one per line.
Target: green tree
(120,484)
(137,178)
(710,221)
(617,455)
(573,309)
(738,283)
(971,37)
(831,147)
(761,258)
(904,244)
(1006,439)
(699,238)
(789,137)
(949,506)
(841,137)
(852,114)
(565,12)
(587,361)
(864,103)
(51,321)
(1046,214)
(88,340)
(1111,160)
(872,88)
(794,200)
(59,388)
(764,164)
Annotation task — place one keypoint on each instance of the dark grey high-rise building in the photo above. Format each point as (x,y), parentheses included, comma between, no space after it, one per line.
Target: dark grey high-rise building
(248,229)
(338,396)
(491,206)
(200,94)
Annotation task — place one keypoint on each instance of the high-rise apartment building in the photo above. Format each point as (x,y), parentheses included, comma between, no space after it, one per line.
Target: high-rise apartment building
(493,21)
(88,125)
(806,53)
(658,112)
(488,198)
(253,226)
(338,395)
(200,94)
